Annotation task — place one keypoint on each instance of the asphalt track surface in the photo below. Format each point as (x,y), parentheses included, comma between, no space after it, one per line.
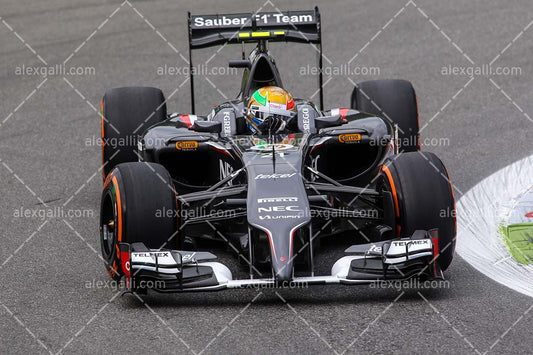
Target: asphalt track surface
(48,158)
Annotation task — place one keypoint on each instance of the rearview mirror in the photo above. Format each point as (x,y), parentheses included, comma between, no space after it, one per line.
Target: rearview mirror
(240,63)
(328,121)
(207,126)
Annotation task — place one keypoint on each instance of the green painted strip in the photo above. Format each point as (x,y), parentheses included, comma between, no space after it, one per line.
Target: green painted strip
(519,240)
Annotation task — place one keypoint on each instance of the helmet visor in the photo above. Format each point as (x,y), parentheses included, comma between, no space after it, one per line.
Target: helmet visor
(260,113)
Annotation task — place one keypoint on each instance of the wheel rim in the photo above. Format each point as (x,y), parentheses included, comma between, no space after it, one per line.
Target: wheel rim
(385,184)
(108,226)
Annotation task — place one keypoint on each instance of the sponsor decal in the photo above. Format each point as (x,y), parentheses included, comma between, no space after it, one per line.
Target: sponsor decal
(277,199)
(276,105)
(282,209)
(225,170)
(400,243)
(126,265)
(281,18)
(305,119)
(269,217)
(274,176)
(349,138)
(186,145)
(279,209)
(161,254)
(268,147)
(222,21)
(227,123)
(262,19)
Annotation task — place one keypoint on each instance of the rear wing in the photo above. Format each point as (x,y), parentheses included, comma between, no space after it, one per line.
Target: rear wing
(290,26)
(283,26)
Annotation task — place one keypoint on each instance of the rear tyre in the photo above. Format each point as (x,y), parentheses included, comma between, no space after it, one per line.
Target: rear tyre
(126,113)
(395,101)
(138,205)
(423,198)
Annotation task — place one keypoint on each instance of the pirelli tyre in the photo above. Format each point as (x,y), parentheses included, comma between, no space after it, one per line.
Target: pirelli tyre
(138,205)
(395,101)
(126,113)
(423,198)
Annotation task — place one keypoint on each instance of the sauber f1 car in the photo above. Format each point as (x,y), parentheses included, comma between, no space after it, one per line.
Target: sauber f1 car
(270,178)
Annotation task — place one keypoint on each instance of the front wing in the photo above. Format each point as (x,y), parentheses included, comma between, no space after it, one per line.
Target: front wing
(177,271)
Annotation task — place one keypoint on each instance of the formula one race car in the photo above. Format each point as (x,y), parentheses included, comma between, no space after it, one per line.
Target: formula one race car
(270,176)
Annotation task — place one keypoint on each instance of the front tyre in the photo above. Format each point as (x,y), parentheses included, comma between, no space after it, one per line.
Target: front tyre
(423,198)
(138,205)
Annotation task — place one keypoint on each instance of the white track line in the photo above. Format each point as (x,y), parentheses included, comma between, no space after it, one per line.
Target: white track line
(479,213)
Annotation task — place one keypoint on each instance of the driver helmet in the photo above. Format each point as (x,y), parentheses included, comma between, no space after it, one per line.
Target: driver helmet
(269,101)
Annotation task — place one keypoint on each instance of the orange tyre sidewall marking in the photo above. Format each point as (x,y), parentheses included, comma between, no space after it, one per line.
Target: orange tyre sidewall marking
(119,209)
(103,135)
(387,172)
(108,179)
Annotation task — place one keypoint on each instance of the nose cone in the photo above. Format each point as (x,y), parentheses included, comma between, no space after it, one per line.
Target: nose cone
(277,204)
(283,268)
